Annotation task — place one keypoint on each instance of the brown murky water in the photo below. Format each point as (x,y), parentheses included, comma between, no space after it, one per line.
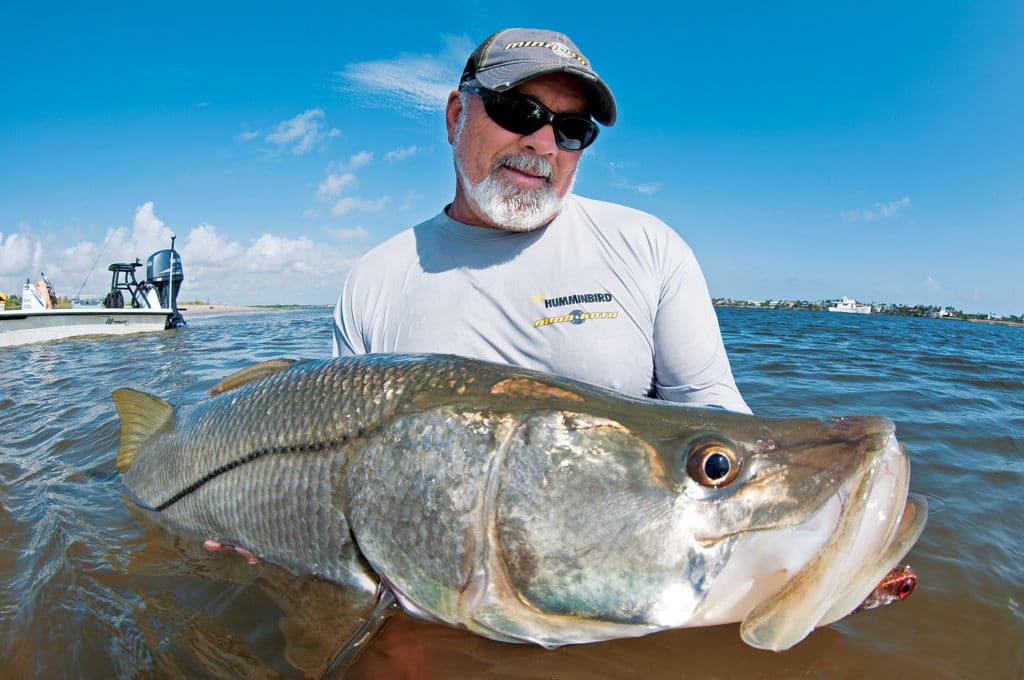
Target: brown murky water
(92,588)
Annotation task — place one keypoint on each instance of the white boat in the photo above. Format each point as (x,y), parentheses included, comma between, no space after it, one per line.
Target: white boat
(151,305)
(850,306)
(18,327)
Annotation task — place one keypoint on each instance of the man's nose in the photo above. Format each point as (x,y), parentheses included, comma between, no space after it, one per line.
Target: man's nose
(541,141)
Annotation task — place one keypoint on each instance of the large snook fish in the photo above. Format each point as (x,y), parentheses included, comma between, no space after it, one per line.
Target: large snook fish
(530,508)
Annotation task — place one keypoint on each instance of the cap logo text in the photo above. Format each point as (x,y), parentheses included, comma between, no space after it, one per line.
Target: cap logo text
(556,47)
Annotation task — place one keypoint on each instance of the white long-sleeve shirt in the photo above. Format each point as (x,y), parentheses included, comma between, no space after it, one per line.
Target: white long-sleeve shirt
(603,293)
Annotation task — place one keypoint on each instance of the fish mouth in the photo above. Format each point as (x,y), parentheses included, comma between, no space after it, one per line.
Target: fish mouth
(835,558)
(874,523)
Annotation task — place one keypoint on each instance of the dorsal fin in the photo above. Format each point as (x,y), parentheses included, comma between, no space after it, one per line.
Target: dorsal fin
(251,374)
(141,415)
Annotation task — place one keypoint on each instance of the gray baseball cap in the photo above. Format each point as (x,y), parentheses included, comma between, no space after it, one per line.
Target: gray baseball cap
(512,56)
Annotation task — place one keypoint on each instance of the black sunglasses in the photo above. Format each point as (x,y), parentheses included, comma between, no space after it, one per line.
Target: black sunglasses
(524,115)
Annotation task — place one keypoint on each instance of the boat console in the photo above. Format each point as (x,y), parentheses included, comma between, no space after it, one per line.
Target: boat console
(159,290)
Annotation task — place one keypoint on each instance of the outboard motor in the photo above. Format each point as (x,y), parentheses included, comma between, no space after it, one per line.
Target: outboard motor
(165,274)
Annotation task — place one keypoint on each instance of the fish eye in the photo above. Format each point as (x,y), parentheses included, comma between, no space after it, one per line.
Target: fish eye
(712,463)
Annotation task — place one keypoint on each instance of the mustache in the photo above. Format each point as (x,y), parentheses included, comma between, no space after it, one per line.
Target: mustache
(528,163)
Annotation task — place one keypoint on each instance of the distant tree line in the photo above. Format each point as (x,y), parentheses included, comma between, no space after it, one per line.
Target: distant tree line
(925,311)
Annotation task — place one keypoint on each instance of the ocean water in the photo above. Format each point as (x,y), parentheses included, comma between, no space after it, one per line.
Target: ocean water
(92,588)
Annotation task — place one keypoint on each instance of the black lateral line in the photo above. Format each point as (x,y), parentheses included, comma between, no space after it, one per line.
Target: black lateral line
(248,458)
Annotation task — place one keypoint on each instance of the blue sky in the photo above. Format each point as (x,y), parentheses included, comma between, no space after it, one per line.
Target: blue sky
(804,150)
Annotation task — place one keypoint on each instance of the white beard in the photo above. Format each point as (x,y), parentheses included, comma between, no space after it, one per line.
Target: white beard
(505,204)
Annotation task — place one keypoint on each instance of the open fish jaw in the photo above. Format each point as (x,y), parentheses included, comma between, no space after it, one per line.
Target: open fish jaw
(866,541)
(911,525)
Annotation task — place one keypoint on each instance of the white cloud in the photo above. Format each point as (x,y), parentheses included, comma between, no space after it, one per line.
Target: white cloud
(412,198)
(646,188)
(333,185)
(399,154)
(889,209)
(349,204)
(270,254)
(148,230)
(880,211)
(358,160)
(356,233)
(336,184)
(417,82)
(617,170)
(19,254)
(272,269)
(24,255)
(932,284)
(206,247)
(300,133)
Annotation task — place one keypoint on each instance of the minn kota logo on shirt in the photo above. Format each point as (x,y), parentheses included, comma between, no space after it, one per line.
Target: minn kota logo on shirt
(576,316)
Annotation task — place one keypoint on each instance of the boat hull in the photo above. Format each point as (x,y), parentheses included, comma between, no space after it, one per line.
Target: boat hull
(21,327)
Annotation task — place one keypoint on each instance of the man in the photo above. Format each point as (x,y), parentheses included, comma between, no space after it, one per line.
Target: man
(519,270)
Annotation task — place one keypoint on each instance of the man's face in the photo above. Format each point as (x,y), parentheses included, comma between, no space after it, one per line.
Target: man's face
(507,180)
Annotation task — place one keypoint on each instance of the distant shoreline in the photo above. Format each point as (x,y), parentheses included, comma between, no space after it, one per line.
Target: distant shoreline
(205,309)
(718,302)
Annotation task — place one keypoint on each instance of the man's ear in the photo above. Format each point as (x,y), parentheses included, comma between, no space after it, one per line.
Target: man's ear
(452,113)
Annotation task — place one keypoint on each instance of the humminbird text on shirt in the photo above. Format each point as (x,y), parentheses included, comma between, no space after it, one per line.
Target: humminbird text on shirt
(577,299)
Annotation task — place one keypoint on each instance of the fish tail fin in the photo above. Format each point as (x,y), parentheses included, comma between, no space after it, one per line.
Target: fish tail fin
(141,415)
